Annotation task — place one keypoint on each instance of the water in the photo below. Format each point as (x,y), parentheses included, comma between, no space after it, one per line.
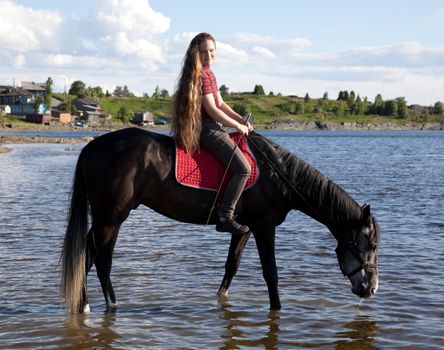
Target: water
(166,274)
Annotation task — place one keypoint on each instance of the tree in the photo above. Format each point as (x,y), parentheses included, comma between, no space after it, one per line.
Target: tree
(299,108)
(351,97)
(307,97)
(124,114)
(224,90)
(258,90)
(402,107)
(359,106)
(242,108)
(48,93)
(118,91)
(378,105)
(339,108)
(77,89)
(164,94)
(156,93)
(37,103)
(343,96)
(325,97)
(438,108)
(122,91)
(94,92)
(390,108)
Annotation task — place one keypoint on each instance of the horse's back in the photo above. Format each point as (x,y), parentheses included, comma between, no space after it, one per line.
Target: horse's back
(117,166)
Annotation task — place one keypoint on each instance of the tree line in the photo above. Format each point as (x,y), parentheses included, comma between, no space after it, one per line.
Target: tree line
(346,103)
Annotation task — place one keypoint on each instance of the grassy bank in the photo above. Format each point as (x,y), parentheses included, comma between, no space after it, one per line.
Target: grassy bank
(270,110)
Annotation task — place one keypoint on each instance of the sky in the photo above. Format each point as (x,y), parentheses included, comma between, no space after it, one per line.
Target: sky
(394,48)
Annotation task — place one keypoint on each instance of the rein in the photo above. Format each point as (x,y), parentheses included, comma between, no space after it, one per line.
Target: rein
(342,246)
(282,176)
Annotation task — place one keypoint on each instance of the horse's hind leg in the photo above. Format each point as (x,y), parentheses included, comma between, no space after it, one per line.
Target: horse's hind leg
(103,264)
(101,242)
(90,254)
(237,246)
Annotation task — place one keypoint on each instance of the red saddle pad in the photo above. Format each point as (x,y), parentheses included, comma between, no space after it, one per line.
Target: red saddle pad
(201,169)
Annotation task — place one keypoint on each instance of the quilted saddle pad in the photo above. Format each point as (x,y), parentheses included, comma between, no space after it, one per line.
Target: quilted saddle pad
(203,170)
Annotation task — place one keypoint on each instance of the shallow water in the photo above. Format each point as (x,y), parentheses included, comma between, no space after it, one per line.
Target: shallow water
(166,274)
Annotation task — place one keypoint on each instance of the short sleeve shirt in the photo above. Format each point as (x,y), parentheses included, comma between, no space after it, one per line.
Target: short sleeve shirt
(209,86)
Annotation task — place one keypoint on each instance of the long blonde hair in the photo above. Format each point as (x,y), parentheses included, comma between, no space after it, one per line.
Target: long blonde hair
(187,120)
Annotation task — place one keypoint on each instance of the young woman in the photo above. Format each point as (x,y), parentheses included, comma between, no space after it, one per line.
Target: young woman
(198,115)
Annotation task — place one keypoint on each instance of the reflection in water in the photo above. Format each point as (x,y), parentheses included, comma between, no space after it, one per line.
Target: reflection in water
(358,334)
(85,334)
(241,330)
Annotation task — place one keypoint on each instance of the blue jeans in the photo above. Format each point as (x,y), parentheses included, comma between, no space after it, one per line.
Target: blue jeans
(215,140)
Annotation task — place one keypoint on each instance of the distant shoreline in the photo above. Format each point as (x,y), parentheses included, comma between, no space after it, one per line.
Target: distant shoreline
(295,125)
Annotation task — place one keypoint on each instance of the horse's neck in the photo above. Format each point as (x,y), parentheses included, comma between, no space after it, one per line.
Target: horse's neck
(319,197)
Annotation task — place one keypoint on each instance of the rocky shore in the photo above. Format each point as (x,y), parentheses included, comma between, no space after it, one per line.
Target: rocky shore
(297,125)
(318,125)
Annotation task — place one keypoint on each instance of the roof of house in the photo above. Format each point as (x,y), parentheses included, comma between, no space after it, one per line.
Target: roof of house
(14,91)
(86,101)
(31,86)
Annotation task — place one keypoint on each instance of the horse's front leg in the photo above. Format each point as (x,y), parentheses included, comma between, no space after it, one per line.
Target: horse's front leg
(237,246)
(265,237)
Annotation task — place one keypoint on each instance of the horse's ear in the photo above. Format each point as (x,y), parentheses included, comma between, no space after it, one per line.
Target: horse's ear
(366,212)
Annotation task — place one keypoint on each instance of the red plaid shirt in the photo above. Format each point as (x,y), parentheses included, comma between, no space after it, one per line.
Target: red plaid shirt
(209,86)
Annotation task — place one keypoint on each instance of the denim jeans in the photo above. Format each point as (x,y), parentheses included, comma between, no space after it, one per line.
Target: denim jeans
(214,139)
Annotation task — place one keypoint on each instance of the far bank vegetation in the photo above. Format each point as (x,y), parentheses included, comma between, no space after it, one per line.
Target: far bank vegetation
(347,107)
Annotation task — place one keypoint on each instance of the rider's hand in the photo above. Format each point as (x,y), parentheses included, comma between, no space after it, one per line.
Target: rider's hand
(243,129)
(250,127)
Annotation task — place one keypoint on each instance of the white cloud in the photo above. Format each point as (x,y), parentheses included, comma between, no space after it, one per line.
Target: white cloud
(126,30)
(20,61)
(23,29)
(231,54)
(283,44)
(263,52)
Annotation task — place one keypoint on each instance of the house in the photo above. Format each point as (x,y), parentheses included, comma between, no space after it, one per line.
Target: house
(23,101)
(89,109)
(5,109)
(62,117)
(36,89)
(39,118)
(143,118)
(15,95)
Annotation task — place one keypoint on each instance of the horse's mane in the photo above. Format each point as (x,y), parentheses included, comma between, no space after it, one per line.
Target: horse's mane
(322,195)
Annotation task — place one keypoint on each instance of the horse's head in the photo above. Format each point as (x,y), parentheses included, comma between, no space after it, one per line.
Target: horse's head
(358,254)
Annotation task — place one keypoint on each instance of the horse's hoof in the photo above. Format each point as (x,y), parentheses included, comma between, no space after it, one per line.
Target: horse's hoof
(86,309)
(222,297)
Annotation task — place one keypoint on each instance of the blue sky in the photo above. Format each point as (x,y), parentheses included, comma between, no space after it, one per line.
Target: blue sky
(391,47)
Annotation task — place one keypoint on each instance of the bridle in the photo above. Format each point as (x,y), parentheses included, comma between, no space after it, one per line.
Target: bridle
(353,247)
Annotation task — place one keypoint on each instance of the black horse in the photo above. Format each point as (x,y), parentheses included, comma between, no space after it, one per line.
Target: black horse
(118,171)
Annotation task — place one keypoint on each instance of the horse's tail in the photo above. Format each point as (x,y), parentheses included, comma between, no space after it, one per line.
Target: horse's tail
(74,247)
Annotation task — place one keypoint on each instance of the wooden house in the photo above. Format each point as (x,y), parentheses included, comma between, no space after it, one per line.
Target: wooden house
(62,117)
(22,100)
(89,109)
(143,118)
(39,118)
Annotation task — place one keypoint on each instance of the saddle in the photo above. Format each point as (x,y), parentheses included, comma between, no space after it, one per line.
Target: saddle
(203,170)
